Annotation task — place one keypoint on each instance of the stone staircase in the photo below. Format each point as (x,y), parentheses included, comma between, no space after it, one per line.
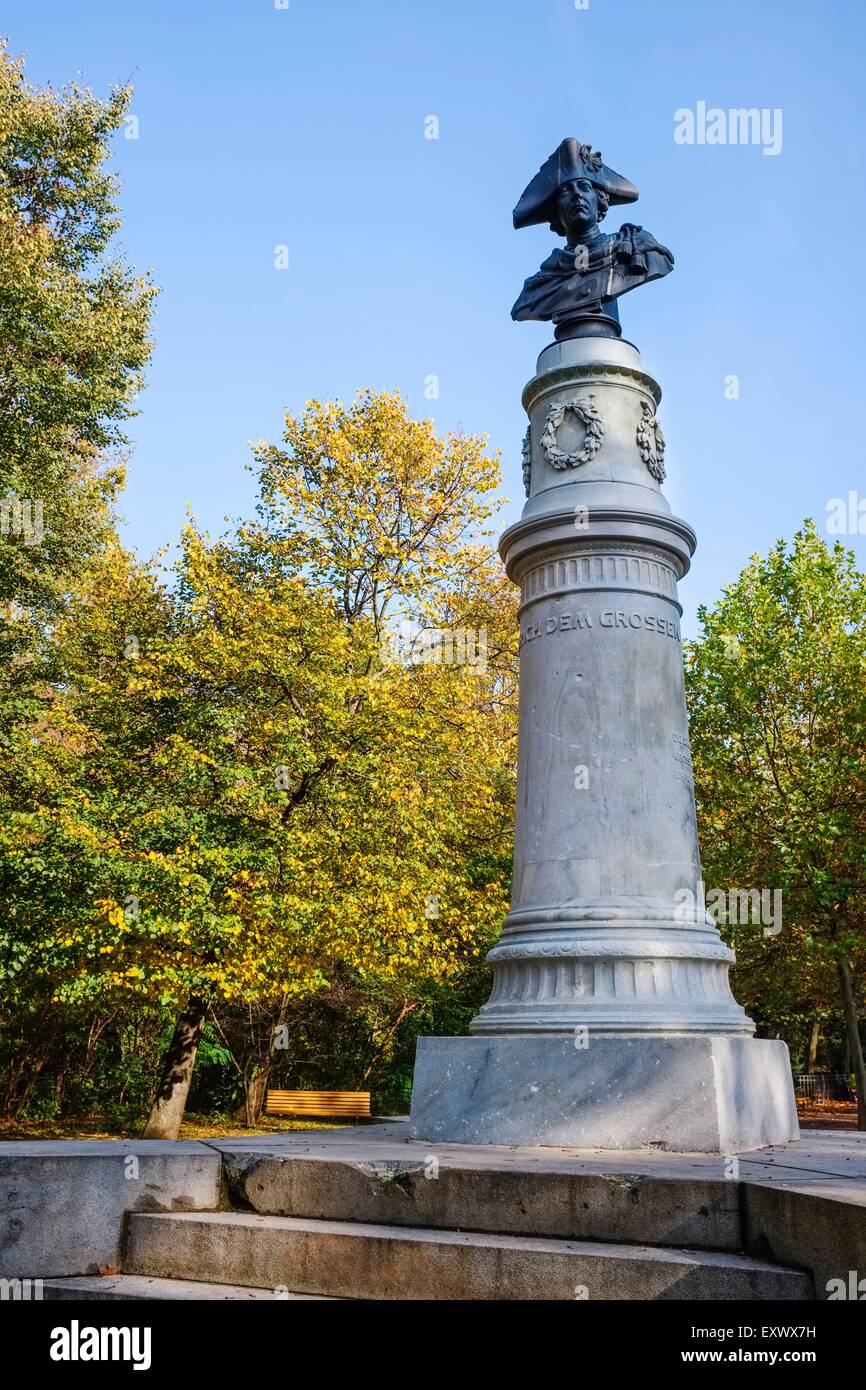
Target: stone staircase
(319,1227)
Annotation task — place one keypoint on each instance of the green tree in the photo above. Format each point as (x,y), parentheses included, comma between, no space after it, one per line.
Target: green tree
(238,795)
(380,852)
(777,696)
(73,344)
(73,334)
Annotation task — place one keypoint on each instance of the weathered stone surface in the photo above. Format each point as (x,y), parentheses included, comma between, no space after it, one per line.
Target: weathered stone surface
(690,1094)
(440,1193)
(389,1262)
(113,1287)
(62,1203)
(801,1203)
(824,1234)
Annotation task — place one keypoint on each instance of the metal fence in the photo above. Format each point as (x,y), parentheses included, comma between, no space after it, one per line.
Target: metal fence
(823,1086)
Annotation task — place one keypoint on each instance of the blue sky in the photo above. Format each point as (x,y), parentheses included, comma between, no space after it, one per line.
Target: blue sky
(305,127)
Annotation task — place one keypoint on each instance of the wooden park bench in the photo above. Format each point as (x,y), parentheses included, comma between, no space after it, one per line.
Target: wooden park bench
(323,1105)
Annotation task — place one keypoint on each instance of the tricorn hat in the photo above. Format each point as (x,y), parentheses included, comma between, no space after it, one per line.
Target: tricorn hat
(571,161)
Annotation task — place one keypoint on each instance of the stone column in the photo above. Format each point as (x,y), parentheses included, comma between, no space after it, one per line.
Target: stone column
(611,1023)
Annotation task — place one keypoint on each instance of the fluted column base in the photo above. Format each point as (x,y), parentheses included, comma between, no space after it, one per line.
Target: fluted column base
(610,966)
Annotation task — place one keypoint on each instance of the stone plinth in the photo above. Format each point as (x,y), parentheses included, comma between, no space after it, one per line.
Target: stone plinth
(699,1094)
(611,1022)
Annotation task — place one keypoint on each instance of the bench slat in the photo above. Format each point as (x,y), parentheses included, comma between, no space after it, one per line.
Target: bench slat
(324,1103)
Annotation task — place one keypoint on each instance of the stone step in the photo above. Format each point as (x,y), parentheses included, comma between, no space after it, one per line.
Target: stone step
(363,1261)
(135,1286)
(445,1194)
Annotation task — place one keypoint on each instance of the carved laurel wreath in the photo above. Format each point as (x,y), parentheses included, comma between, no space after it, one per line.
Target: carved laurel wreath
(527,458)
(651,441)
(586,412)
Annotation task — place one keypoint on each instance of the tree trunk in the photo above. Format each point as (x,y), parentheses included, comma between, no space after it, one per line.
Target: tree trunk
(406,1010)
(254,1094)
(256,1086)
(814,1040)
(177,1067)
(855,1047)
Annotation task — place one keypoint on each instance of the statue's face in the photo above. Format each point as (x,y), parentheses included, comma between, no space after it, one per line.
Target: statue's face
(577,206)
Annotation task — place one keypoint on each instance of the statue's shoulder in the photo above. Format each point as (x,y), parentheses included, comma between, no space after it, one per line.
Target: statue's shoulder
(559,261)
(632,231)
(639,239)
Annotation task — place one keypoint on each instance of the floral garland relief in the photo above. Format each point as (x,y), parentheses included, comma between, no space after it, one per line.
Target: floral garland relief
(588,415)
(527,459)
(651,442)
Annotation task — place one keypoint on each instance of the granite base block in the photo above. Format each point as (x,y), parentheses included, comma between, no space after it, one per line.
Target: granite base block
(698,1094)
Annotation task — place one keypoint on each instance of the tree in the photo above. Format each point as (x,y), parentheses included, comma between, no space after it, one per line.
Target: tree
(777,701)
(73,333)
(73,345)
(239,794)
(370,795)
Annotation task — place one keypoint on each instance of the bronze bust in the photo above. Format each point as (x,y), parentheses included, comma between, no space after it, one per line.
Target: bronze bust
(578,285)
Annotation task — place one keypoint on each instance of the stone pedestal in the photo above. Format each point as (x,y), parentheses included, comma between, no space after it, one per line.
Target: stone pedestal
(611,1023)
